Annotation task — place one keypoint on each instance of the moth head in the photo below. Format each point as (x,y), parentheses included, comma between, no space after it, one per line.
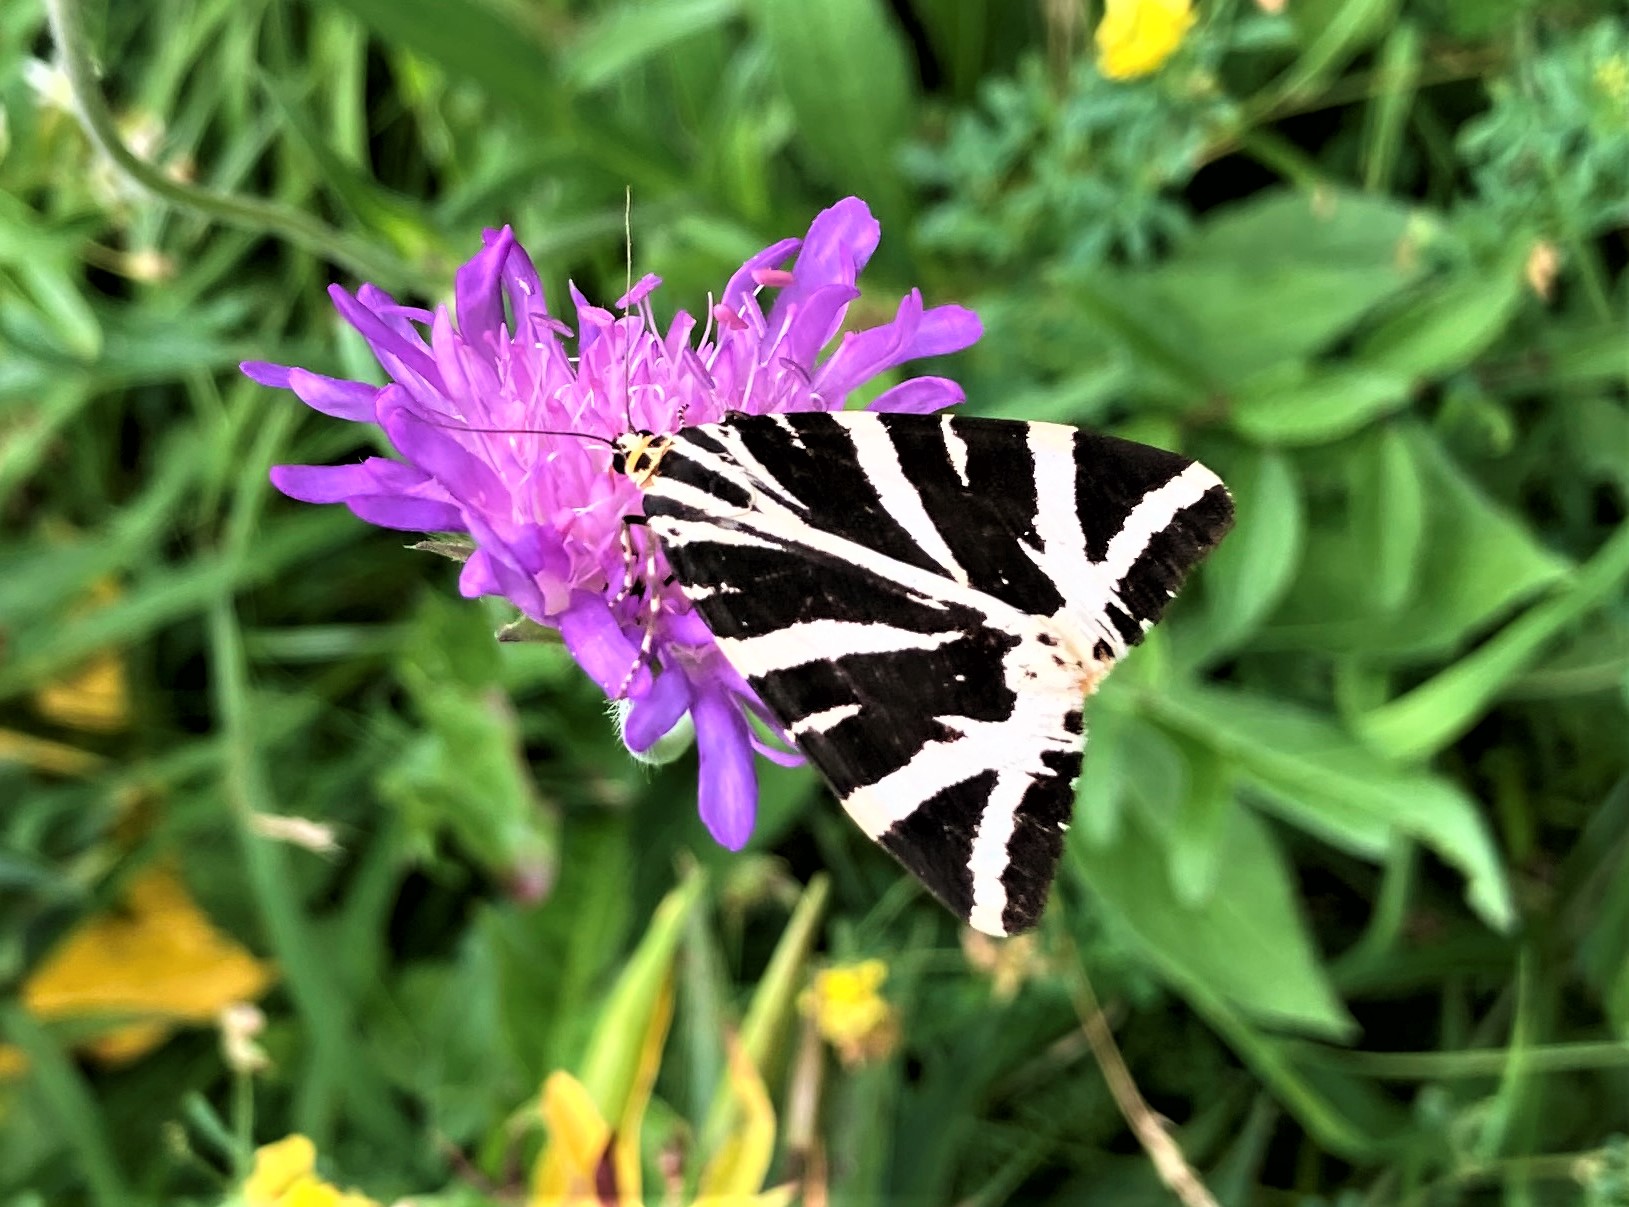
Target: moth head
(637,454)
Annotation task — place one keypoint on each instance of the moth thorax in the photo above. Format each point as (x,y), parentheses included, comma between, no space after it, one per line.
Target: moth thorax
(638,454)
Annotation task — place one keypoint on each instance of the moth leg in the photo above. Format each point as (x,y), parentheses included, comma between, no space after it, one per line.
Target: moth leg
(637,584)
(631,582)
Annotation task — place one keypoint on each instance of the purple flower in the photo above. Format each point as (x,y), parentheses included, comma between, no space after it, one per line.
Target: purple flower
(469,398)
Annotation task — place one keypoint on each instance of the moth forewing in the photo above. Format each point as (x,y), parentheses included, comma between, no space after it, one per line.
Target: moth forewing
(922,603)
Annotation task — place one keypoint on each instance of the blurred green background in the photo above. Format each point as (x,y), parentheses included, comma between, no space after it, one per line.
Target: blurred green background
(1348,873)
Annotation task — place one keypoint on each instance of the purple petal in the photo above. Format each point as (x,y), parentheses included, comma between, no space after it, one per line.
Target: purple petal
(840,241)
(476,578)
(946,329)
(478,292)
(266,373)
(461,474)
(337,483)
(353,400)
(919,396)
(678,335)
(598,644)
(641,290)
(863,354)
(657,711)
(503,577)
(741,285)
(727,792)
(775,754)
(525,289)
(398,353)
(812,325)
(407,514)
(592,321)
(449,350)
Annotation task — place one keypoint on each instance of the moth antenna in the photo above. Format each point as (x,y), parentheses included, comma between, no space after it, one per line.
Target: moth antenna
(520,431)
(627,288)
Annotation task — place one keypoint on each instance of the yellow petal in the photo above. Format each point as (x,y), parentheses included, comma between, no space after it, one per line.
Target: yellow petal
(578,1137)
(12,1062)
(742,1161)
(277,1168)
(159,956)
(95,697)
(850,1013)
(42,754)
(1136,36)
(632,1123)
(122,1045)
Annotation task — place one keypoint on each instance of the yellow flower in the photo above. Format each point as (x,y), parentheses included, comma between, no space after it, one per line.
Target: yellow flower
(284,1175)
(581,1163)
(158,957)
(1136,36)
(595,1124)
(850,1013)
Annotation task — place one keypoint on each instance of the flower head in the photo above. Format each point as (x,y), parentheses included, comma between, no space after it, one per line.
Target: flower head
(284,1175)
(847,1007)
(504,416)
(1136,36)
(157,957)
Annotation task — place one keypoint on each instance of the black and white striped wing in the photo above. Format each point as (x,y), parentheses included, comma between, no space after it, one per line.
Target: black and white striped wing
(924,602)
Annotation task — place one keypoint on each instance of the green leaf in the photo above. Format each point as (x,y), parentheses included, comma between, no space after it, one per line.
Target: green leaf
(624,37)
(1310,771)
(611,1063)
(1438,711)
(846,73)
(1306,405)
(1389,512)
(1252,568)
(1274,279)
(1476,562)
(1450,325)
(473,42)
(1198,839)
(467,774)
(1246,940)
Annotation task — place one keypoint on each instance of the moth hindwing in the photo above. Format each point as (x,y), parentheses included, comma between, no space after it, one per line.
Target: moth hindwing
(923,603)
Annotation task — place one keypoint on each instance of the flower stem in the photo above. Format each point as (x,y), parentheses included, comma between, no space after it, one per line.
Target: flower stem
(252,213)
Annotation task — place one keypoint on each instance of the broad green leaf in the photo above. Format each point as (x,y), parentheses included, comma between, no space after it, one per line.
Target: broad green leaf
(1452,323)
(1246,941)
(1279,277)
(1430,716)
(1310,771)
(845,70)
(1198,839)
(1247,575)
(1389,515)
(1101,795)
(1312,405)
(1476,562)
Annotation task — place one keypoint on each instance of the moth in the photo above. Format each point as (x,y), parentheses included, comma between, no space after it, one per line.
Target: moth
(924,602)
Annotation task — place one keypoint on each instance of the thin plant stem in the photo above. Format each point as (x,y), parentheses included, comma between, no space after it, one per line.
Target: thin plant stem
(251,213)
